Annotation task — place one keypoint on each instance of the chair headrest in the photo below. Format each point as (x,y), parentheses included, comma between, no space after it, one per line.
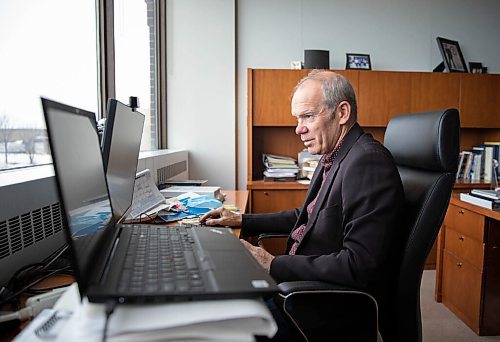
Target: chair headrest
(428,140)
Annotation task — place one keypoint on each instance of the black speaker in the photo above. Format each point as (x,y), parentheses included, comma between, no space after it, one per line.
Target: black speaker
(316,59)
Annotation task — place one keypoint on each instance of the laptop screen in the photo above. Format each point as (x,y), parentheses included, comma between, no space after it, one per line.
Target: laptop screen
(80,177)
(120,152)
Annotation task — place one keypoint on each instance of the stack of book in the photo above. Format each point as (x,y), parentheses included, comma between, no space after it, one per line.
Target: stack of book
(279,168)
(480,163)
(489,199)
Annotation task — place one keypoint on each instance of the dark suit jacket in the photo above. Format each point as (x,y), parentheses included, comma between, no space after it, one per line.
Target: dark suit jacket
(348,239)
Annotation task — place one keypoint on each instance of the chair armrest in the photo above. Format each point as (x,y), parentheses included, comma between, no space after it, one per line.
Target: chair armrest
(289,287)
(273,243)
(321,309)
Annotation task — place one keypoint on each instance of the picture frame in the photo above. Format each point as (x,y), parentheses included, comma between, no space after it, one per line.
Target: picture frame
(358,61)
(477,68)
(452,55)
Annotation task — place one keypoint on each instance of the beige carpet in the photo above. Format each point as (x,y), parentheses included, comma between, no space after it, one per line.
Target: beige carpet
(440,324)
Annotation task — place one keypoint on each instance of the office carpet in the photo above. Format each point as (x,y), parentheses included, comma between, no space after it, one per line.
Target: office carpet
(439,324)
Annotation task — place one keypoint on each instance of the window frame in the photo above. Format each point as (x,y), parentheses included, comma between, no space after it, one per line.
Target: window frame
(106,63)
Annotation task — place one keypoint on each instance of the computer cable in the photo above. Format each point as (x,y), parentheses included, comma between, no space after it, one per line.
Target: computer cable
(110,308)
(33,283)
(30,275)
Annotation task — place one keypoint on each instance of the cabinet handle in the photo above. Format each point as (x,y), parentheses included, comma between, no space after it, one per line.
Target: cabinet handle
(461,211)
(494,247)
(461,238)
(459,264)
(266,193)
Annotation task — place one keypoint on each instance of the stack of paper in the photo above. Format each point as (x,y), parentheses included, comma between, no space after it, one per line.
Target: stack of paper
(279,168)
(307,164)
(480,201)
(210,320)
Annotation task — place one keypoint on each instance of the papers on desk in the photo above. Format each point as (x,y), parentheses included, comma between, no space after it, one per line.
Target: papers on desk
(214,320)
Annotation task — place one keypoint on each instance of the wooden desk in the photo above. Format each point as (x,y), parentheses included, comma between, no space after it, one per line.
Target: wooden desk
(468,265)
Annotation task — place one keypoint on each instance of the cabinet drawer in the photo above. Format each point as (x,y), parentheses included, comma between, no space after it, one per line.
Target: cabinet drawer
(269,201)
(464,247)
(465,222)
(461,289)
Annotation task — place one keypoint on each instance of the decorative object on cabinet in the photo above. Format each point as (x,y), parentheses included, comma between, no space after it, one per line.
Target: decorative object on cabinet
(476,67)
(358,61)
(316,59)
(452,55)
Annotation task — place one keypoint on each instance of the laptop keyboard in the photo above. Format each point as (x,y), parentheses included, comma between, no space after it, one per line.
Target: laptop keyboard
(160,259)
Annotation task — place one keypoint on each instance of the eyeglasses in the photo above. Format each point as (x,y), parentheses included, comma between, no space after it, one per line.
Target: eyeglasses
(308,118)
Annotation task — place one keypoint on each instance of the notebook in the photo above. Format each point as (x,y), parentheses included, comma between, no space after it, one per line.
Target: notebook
(136,263)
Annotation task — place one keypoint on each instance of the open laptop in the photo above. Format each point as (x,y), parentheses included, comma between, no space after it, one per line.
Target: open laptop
(120,151)
(136,263)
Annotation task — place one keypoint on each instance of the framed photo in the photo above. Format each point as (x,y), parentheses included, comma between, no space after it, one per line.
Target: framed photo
(477,68)
(358,61)
(452,55)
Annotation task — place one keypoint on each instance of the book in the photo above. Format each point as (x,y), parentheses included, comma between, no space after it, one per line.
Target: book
(477,167)
(485,203)
(468,162)
(279,179)
(488,163)
(496,155)
(461,165)
(492,195)
(281,162)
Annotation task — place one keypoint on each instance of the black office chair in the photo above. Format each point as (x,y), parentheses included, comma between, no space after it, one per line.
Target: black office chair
(425,147)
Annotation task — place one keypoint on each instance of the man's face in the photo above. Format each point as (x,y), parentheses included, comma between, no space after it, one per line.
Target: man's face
(317,130)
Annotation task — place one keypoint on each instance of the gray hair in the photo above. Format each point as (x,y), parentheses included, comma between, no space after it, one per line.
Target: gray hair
(336,88)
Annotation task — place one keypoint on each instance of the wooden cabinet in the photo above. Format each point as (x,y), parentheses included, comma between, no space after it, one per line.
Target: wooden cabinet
(480,100)
(270,201)
(468,272)
(381,95)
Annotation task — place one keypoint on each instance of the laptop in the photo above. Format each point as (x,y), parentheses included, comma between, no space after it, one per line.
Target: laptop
(137,263)
(121,143)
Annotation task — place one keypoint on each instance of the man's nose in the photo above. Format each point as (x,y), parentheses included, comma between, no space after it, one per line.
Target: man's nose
(300,129)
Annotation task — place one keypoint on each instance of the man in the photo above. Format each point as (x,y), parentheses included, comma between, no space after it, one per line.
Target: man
(343,232)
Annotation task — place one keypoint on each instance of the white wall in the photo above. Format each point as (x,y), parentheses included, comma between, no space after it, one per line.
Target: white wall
(201,86)
(398,35)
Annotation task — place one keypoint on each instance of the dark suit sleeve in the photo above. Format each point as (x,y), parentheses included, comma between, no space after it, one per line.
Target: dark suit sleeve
(281,222)
(371,194)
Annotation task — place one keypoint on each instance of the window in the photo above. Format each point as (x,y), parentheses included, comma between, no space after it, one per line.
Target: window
(136,62)
(47,48)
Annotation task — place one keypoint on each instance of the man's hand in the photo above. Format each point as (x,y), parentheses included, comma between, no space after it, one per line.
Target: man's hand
(263,257)
(222,217)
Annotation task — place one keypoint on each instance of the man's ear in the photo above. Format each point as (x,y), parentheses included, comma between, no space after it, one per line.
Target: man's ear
(344,110)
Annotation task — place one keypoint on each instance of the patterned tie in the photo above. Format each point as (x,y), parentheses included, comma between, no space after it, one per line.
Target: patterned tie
(327,162)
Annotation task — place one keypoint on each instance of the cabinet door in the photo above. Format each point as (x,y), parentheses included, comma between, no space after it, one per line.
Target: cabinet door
(480,101)
(269,201)
(461,290)
(433,91)
(271,96)
(382,95)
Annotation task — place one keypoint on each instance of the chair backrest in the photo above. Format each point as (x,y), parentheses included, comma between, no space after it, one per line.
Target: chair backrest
(425,147)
